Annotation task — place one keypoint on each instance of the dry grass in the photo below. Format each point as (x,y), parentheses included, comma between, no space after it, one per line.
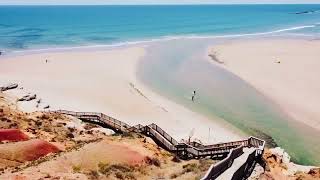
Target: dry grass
(195,169)
(120,171)
(53,127)
(153,161)
(76,168)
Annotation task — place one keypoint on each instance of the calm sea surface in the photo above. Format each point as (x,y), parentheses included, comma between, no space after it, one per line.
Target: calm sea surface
(24,27)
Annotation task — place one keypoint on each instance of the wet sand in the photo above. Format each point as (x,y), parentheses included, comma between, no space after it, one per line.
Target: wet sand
(287,71)
(103,81)
(174,69)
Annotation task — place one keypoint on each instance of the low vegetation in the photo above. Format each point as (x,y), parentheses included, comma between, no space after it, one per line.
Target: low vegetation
(198,168)
(76,168)
(153,161)
(64,131)
(120,171)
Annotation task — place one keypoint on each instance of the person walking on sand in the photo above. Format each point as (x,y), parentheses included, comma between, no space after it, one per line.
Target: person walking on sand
(193,96)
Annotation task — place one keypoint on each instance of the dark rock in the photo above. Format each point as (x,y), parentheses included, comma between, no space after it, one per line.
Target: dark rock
(8,87)
(38,123)
(70,135)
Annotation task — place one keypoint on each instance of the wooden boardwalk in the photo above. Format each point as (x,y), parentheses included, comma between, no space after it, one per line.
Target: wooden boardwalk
(237,163)
(228,151)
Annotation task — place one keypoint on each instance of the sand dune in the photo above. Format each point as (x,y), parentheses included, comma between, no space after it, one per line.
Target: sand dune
(287,71)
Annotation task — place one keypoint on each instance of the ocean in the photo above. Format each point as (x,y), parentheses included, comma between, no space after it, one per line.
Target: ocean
(35,27)
(178,37)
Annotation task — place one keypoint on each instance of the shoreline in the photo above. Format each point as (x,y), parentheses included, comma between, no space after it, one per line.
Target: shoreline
(236,101)
(128,99)
(231,65)
(286,76)
(277,33)
(135,86)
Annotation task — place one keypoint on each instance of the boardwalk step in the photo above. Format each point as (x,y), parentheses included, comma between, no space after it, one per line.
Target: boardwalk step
(254,145)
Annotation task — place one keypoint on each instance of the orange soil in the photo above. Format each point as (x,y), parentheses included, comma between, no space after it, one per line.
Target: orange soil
(124,154)
(12,135)
(26,150)
(104,151)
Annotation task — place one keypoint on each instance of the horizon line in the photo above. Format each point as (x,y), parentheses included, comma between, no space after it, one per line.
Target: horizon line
(165,4)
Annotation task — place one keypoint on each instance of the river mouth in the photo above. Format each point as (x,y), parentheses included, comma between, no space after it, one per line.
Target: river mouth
(176,68)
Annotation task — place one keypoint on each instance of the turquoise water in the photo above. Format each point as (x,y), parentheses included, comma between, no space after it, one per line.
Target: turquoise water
(176,68)
(173,65)
(25,27)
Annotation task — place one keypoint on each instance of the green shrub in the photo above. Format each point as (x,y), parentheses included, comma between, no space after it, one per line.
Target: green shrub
(93,174)
(125,175)
(192,167)
(153,161)
(103,167)
(76,168)
(119,175)
(121,167)
(129,135)
(174,176)
(204,164)
(121,171)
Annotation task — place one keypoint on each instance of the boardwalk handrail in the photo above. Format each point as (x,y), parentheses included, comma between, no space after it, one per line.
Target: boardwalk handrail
(164,134)
(216,170)
(257,143)
(107,119)
(244,171)
(192,149)
(160,138)
(137,128)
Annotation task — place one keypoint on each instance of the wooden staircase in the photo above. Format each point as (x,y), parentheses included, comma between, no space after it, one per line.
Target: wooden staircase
(191,150)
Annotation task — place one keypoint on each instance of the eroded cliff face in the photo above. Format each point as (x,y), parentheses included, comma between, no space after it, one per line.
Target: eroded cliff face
(279,167)
(41,145)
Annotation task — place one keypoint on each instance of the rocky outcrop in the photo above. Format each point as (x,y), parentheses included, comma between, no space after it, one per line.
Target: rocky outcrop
(279,166)
(28,97)
(8,87)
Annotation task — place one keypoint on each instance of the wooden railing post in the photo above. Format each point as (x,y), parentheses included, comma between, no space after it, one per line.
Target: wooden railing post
(194,149)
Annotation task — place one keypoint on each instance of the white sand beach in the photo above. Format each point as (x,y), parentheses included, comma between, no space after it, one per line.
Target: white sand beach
(286,71)
(104,81)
